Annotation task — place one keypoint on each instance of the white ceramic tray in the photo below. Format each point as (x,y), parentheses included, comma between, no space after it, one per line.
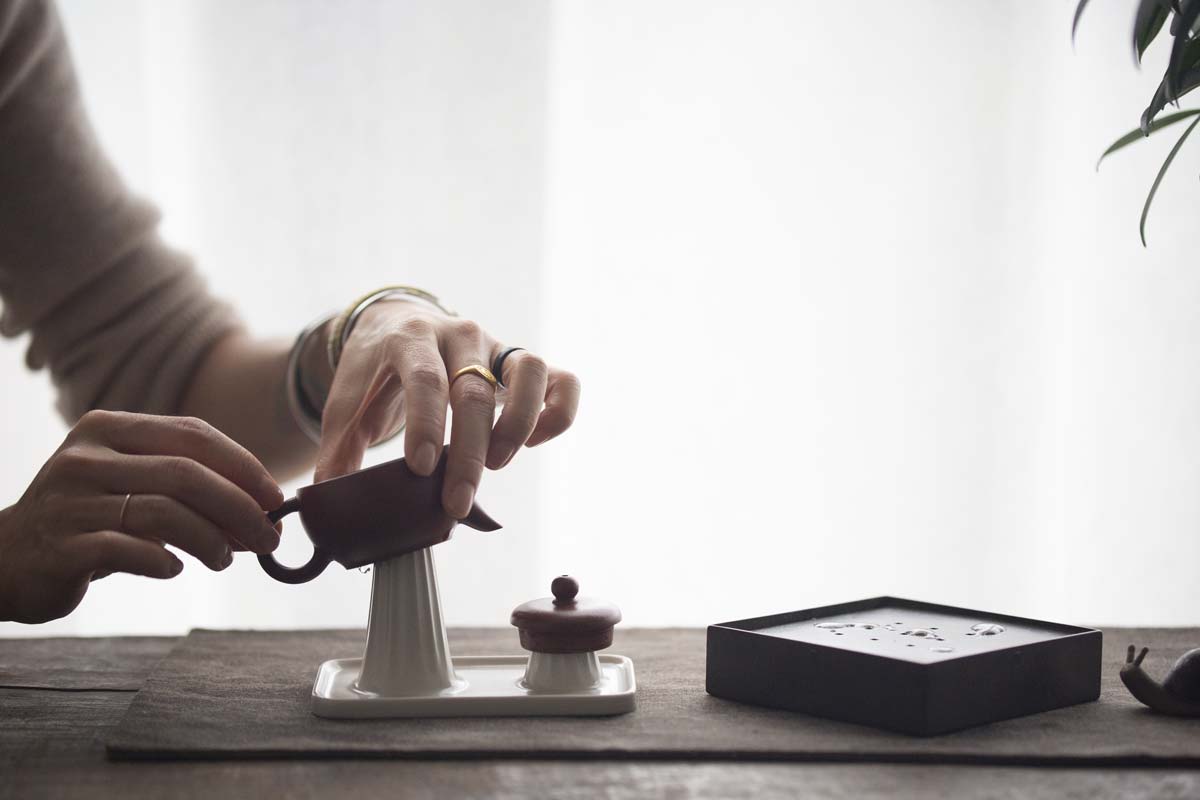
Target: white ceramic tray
(493,689)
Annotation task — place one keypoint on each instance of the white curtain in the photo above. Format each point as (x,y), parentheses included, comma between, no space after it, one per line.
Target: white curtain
(854,313)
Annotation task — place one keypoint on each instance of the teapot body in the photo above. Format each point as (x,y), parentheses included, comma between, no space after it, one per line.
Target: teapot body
(369,516)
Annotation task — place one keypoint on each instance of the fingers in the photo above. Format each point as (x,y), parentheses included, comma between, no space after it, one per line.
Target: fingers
(562,403)
(426,390)
(401,361)
(194,485)
(110,551)
(352,418)
(473,401)
(156,516)
(145,434)
(527,379)
(391,362)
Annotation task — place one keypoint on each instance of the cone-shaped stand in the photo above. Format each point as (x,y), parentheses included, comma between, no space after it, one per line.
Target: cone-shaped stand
(562,672)
(407,652)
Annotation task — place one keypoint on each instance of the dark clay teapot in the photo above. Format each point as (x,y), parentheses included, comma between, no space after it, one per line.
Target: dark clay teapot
(371,515)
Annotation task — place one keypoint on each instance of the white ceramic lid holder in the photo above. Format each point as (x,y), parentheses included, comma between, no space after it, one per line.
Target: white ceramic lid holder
(407,669)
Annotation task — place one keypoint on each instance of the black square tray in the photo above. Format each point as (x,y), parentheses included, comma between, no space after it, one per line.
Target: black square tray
(904,665)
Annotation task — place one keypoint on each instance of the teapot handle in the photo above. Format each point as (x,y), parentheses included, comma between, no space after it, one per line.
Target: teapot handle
(315,566)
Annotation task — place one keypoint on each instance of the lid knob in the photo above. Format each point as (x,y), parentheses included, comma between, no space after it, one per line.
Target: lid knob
(564,588)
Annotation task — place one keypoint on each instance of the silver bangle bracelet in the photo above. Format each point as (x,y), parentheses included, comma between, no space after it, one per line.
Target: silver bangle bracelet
(304,412)
(388,293)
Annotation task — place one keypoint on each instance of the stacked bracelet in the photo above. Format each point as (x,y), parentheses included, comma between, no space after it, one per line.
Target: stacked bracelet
(345,322)
(304,410)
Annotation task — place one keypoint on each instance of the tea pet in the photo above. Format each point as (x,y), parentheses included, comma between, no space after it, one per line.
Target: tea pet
(1178,695)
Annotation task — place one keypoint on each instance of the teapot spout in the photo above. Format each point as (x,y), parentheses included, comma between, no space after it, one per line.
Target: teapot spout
(478,519)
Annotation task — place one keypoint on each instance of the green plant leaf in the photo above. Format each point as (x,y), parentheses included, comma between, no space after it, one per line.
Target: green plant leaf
(1185,83)
(1158,178)
(1188,80)
(1151,14)
(1078,13)
(1137,134)
(1181,29)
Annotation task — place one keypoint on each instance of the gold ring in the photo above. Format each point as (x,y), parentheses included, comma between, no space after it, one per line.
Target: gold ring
(124,508)
(476,369)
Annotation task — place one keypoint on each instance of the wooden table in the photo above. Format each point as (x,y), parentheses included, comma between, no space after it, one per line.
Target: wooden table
(59,695)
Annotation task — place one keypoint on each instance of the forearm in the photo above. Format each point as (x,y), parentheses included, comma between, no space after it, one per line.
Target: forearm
(119,319)
(240,388)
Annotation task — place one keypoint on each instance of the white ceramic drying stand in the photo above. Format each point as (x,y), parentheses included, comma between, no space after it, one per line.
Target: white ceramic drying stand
(407,669)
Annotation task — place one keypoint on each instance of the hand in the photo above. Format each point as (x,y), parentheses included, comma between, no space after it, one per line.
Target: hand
(191,487)
(395,370)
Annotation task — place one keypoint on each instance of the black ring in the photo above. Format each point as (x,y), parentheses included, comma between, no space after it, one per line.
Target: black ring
(498,364)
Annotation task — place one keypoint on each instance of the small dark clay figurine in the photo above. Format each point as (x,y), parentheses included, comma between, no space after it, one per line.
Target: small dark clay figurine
(1178,695)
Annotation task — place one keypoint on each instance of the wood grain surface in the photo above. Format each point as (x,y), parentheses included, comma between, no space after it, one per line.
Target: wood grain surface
(49,747)
(247,694)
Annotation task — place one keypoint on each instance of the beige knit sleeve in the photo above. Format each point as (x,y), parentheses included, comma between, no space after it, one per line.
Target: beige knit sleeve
(120,320)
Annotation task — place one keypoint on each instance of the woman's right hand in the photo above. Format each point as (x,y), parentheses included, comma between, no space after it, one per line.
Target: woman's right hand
(189,486)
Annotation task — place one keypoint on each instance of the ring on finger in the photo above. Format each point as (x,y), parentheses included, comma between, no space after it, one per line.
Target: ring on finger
(124,508)
(476,369)
(498,364)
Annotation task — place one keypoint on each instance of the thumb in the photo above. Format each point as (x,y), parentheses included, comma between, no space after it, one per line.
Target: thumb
(352,418)
(342,442)
(105,552)
(340,452)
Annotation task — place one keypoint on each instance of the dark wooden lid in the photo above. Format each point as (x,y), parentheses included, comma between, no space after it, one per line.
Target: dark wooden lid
(565,623)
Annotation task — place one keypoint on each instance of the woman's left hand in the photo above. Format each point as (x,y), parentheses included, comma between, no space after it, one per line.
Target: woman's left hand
(395,370)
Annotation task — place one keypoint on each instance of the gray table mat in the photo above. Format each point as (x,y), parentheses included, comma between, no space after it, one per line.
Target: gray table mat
(245,694)
(116,664)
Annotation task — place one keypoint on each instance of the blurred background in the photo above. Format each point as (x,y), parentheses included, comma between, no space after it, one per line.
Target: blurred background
(853,311)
